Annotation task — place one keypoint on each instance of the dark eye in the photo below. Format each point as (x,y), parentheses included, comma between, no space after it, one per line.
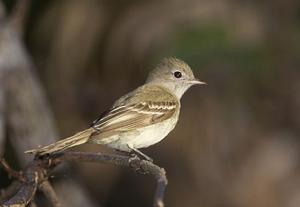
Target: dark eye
(177,74)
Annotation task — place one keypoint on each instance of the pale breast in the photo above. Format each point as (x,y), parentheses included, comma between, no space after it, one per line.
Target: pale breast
(143,137)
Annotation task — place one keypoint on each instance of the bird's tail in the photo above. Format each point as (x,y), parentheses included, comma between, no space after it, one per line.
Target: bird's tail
(77,139)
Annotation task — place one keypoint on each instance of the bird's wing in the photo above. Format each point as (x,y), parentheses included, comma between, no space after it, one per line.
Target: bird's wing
(133,116)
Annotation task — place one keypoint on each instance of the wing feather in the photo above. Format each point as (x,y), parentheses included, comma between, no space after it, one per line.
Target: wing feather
(128,117)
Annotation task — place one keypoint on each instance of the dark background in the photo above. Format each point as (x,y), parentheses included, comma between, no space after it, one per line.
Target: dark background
(237,140)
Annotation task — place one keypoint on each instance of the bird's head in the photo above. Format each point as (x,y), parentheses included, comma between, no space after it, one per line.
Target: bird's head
(175,75)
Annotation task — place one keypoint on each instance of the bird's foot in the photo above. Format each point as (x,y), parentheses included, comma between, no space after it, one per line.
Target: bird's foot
(135,163)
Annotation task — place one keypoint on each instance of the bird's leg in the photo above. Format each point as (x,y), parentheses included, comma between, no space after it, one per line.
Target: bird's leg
(136,151)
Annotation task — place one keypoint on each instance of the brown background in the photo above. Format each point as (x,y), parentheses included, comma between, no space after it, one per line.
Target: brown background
(237,141)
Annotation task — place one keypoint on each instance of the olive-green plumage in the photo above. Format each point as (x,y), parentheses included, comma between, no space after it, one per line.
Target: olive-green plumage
(140,118)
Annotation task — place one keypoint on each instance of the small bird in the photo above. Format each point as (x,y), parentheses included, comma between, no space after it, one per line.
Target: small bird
(140,118)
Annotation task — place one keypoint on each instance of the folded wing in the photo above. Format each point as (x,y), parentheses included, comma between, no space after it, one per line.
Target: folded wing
(129,117)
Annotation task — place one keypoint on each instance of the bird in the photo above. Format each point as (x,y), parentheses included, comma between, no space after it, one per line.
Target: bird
(140,118)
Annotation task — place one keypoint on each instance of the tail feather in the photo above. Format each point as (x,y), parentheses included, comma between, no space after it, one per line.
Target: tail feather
(77,139)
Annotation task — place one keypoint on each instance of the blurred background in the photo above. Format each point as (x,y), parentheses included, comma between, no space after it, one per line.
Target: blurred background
(237,141)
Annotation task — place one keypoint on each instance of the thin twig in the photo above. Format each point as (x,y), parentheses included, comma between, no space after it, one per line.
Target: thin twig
(50,194)
(11,172)
(43,166)
(137,164)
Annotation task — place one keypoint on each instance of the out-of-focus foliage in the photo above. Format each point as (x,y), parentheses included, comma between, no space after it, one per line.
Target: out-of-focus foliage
(237,141)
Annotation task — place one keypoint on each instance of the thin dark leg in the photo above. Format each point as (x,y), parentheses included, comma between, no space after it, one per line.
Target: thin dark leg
(136,151)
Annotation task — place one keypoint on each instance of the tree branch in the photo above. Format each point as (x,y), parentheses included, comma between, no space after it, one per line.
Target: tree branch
(49,192)
(26,191)
(11,172)
(42,167)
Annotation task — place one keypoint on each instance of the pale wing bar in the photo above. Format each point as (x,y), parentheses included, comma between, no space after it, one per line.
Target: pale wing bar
(128,117)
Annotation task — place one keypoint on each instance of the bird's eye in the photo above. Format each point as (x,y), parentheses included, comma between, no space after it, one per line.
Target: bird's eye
(177,74)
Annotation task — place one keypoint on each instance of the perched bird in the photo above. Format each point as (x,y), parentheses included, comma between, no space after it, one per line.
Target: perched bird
(140,118)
